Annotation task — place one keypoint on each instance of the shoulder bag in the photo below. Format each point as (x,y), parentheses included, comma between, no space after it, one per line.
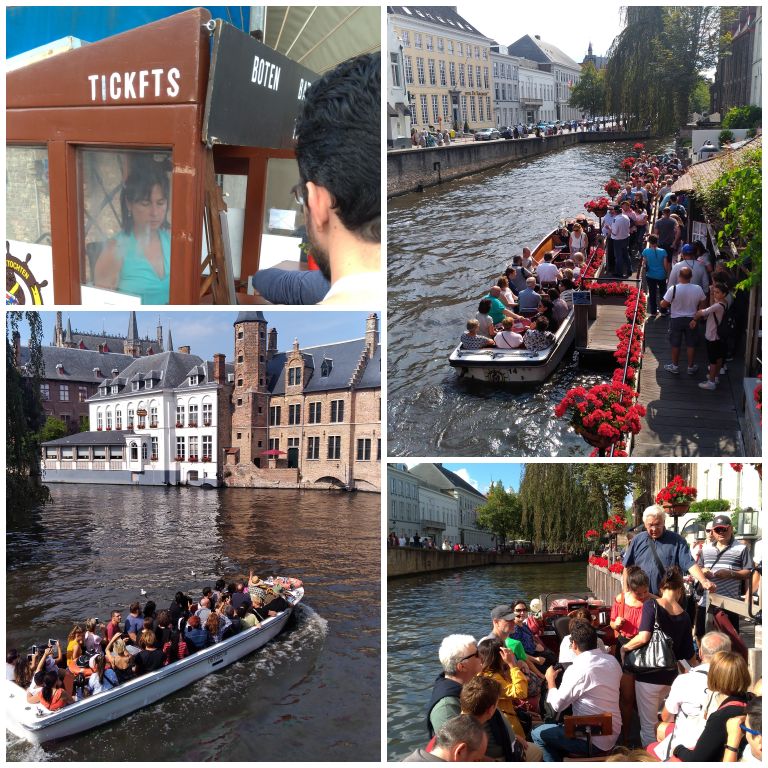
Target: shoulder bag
(657,655)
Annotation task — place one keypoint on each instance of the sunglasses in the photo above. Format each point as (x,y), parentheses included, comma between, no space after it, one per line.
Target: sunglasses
(750,730)
(471,656)
(721,529)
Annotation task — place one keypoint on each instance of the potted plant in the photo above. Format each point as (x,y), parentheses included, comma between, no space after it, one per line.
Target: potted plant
(614,524)
(592,535)
(179,425)
(603,414)
(612,187)
(639,147)
(676,496)
(627,164)
(598,206)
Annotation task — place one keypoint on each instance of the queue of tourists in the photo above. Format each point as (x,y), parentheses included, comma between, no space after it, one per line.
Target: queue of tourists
(100,656)
(507,696)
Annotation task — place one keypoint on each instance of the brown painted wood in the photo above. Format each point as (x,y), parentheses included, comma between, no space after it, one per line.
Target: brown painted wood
(255,202)
(178,42)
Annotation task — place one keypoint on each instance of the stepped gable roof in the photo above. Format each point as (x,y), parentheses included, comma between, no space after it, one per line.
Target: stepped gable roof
(114,437)
(78,364)
(172,369)
(540,51)
(440,15)
(250,317)
(345,356)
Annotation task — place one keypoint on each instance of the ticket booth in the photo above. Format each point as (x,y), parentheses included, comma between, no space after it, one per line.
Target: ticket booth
(152,167)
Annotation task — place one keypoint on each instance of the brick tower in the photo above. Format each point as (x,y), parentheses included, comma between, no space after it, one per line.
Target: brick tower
(250,398)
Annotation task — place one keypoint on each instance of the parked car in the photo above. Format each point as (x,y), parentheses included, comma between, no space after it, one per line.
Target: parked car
(486,134)
(507,132)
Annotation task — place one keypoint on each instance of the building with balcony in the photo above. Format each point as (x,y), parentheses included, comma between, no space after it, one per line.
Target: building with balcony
(398,109)
(447,66)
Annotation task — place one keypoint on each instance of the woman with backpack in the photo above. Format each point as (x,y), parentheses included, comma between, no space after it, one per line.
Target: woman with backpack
(102,679)
(714,333)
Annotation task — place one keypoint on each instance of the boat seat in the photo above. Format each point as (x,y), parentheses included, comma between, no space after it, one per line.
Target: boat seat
(560,625)
(588,726)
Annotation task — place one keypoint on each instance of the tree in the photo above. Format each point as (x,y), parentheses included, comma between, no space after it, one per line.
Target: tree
(23,415)
(743,117)
(588,95)
(53,429)
(501,513)
(85,424)
(699,99)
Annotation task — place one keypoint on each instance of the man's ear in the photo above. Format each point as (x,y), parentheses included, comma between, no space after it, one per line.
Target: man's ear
(459,752)
(320,203)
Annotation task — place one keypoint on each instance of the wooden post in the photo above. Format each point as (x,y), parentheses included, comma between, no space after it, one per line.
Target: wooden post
(581,321)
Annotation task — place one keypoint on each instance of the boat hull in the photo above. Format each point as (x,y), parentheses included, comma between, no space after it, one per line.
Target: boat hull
(24,720)
(514,366)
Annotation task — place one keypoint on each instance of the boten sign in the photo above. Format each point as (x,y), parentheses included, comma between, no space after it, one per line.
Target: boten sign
(117,153)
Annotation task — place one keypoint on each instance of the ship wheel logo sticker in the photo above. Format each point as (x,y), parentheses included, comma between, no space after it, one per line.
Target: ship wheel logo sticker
(21,287)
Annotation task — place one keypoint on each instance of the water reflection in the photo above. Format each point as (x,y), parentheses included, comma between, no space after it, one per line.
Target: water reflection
(444,248)
(94,548)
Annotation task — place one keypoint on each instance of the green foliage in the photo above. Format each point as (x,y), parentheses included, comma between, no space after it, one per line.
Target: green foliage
(501,514)
(707,507)
(53,429)
(654,66)
(588,95)
(85,425)
(699,98)
(749,116)
(23,415)
(725,137)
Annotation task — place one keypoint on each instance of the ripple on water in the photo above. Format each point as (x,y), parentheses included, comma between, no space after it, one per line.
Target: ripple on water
(444,248)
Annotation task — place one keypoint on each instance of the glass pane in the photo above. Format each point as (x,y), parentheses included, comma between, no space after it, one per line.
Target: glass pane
(283,226)
(234,189)
(126,225)
(29,263)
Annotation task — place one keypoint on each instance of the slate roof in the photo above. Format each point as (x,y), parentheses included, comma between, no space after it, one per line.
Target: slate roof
(78,363)
(250,317)
(454,479)
(172,369)
(115,437)
(344,356)
(541,51)
(439,15)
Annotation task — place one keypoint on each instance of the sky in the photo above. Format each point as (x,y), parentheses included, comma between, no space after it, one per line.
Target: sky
(480,475)
(210,330)
(567,26)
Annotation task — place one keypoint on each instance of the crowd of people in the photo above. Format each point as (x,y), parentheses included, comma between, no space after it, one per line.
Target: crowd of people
(99,656)
(506,695)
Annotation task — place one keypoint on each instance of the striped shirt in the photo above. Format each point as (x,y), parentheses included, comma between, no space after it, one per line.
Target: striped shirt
(735,558)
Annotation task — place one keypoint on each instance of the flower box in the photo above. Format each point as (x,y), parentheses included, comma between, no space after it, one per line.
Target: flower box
(192,424)
(207,423)
(676,497)
(179,425)
(179,458)
(193,458)
(98,429)
(153,425)
(206,459)
(109,429)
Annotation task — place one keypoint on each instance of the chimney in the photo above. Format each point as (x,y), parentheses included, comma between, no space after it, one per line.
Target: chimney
(219,368)
(371,334)
(17,348)
(184,350)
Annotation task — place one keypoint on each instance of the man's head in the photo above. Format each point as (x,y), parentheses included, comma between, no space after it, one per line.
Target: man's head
(722,529)
(495,291)
(666,211)
(116,617)
(459,657)
(712,643)
(710,533)
(134,608)
(337,149)
(479,697)
(205,603)
(526,253)
(461,740)
(754,726)
(502,617)
(530,282)
(583,637)
(548,256)
(685,275)
(654,520)
(473,324)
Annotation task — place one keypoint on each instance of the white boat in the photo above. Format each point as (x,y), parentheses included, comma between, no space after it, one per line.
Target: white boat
(36,724)
(514,366)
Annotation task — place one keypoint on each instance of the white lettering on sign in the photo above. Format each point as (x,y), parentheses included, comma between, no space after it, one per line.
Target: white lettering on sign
(265,74)
(303,85)
(135,85)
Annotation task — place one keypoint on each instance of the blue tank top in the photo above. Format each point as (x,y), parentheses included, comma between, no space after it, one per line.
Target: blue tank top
(137,276)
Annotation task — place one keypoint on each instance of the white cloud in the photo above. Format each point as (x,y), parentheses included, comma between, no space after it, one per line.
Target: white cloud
(464,475)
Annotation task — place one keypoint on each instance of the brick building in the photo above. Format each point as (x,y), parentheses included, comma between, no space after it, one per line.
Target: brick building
(738,77)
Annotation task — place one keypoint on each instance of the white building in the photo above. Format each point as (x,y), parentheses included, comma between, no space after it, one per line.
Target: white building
(398,108)
(402,501)
(506,87)
(756,90)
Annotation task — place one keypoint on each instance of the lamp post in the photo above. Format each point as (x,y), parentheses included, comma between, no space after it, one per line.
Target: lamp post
(747,528)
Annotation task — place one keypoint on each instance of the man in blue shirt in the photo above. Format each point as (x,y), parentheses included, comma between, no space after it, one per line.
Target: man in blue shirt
(671,549)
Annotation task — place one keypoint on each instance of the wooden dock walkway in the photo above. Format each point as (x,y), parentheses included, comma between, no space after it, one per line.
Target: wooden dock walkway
(682,419)
(601,336)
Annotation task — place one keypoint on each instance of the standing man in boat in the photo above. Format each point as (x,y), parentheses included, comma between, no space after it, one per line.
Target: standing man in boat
(657,549)
(620,235)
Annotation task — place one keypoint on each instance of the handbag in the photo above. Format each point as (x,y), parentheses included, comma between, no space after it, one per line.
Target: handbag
(657,655)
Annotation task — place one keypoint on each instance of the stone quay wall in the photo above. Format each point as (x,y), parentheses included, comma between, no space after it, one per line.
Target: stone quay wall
(411,170)
(411,561)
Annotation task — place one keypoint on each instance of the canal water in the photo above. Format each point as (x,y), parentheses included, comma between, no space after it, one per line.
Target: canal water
(314,693)
(445,248)
(422,610)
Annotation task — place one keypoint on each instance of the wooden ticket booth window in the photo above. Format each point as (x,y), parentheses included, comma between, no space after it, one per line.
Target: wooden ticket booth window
(79,124)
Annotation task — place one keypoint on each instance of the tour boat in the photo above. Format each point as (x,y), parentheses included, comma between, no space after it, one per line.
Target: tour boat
(553,242)
(514,366)
(36,724)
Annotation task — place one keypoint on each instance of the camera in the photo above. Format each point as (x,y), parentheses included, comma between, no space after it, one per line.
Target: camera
(38,649)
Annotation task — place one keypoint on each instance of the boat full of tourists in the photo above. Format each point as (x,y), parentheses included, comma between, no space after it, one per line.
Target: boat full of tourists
(514,366)
(36,724)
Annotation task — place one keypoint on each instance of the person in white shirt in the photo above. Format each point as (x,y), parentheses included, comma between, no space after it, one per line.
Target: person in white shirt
(507,338)
(687,700)
(547,272)
(684,300)
(620,236)
(590,686)
(566,654)
(578,240)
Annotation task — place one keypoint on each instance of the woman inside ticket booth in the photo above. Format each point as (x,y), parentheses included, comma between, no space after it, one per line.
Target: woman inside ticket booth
(137,260)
